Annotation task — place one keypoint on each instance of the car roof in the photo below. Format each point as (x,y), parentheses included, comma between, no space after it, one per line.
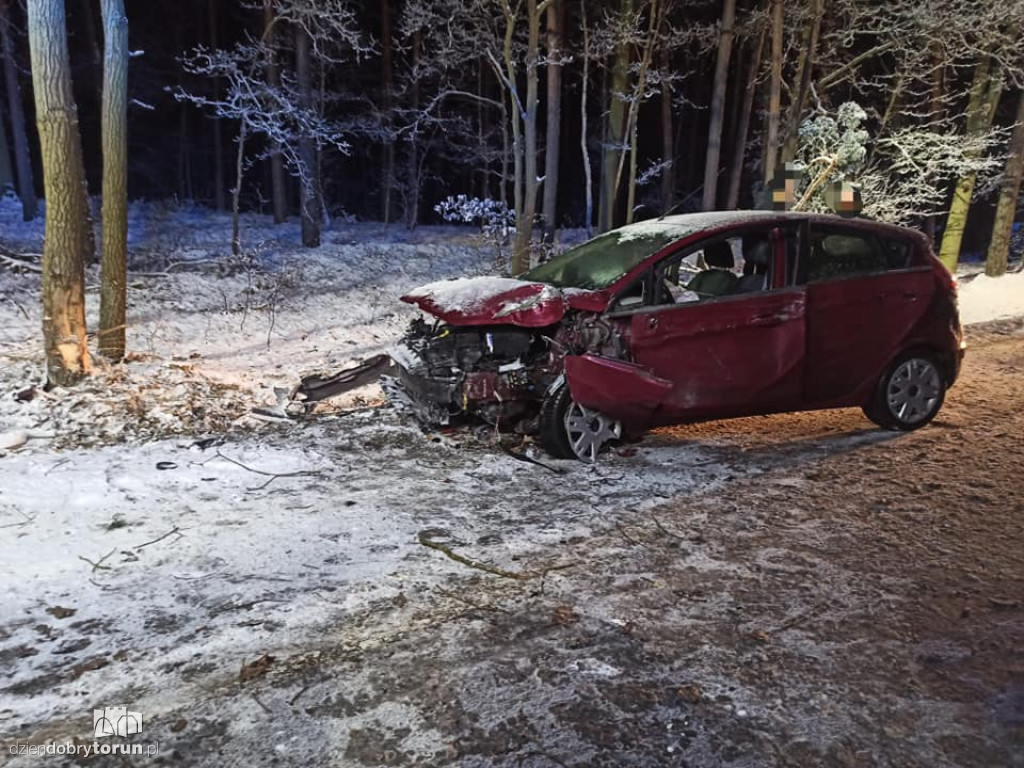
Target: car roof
(686,224)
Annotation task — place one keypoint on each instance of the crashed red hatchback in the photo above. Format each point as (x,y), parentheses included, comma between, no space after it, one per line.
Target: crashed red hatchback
(689,318)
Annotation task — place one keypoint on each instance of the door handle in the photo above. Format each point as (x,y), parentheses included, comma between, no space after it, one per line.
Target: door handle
(652,322)
(910,296)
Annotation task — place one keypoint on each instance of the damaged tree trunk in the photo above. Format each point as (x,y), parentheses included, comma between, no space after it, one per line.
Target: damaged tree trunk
(68,222)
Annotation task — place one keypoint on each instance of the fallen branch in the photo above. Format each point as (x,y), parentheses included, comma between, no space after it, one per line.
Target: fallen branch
(20,264)
(469,562)
(174,530)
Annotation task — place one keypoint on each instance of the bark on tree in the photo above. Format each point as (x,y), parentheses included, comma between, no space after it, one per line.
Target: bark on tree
(311,211)
(985,89)
(15,108)
(1009,193)
(746,110)
(710,196)
(115,181)
(668,152)
(806,63)
(588,217)
(615,131)
(236,193)
(278,178)
(387,89)
(413,184)
(554,116)
(771,146)
(6,171)
(636,98)
(68,224)
(218,140)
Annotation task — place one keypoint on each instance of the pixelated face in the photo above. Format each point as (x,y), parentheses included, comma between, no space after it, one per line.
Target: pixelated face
(783,187)
(843,198)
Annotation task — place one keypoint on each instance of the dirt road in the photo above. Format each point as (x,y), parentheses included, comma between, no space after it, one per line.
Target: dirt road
(856,601)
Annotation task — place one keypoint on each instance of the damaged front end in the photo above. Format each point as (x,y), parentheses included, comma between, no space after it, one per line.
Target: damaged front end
(497,373)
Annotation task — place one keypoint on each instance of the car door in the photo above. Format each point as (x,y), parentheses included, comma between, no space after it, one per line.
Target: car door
(729,355)
(863,298)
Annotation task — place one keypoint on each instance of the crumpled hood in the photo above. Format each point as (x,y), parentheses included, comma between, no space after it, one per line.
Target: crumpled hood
(502,300)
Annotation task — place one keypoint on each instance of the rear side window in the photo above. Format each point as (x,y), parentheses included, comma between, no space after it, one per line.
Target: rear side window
(845,253)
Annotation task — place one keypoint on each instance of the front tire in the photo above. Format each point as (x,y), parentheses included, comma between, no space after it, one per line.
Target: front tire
(568,430)
(909,394)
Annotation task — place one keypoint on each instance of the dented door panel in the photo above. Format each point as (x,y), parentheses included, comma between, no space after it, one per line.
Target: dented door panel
(726,357)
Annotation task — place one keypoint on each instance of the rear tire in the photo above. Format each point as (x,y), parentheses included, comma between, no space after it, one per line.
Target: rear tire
(909,394)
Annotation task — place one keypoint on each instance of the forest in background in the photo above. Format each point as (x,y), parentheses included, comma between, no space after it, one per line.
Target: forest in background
(520,115)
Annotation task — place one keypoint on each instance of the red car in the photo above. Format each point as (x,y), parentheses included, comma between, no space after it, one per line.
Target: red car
(688,318)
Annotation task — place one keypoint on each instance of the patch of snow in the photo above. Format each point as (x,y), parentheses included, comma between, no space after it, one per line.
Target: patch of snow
(985,298)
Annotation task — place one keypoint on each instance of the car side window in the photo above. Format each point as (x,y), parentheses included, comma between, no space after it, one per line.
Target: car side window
(716,268)
(838,253)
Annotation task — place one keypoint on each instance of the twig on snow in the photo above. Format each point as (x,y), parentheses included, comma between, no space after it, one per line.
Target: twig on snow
(174,530)
(293,699)
(263,706)
(98,564)
(469,562)
(272,475)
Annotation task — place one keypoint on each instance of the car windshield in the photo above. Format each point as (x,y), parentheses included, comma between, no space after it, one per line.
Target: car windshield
(600,262)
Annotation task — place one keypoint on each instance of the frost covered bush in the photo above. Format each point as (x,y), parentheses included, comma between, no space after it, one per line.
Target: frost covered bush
(492,216)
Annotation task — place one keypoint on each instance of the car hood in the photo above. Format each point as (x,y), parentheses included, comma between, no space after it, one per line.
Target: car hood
(501,301)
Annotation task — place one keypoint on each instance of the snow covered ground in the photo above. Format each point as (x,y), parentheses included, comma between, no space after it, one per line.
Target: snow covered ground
(149,573)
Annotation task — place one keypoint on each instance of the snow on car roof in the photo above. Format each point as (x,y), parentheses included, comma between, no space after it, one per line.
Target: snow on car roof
(685,224)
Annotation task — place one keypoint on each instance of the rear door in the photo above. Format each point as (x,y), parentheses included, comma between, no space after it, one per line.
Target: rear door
(729,355)
(863,298)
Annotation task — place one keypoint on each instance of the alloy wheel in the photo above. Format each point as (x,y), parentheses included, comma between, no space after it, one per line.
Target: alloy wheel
(589,431)
(914,391)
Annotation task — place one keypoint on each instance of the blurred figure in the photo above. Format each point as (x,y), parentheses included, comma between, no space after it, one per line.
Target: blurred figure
(843,198)
(780,192)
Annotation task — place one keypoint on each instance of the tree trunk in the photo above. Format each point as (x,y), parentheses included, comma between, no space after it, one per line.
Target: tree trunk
(22,156)
(236,193)
(412,185)
(278,178)
(87,9)
(554,117)
(668,153)
(218,140)
(633,114)
(6,171)
(588,217)
(804,72)
(985,89)
(388,87)
(311,213)
(739,149)
(68,223)
(771,148)
(115,181)
(710,196)
(615,131)
(1006,208)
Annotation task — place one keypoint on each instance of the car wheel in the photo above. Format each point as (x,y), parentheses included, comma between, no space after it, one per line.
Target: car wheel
(909,394)
(568,430)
